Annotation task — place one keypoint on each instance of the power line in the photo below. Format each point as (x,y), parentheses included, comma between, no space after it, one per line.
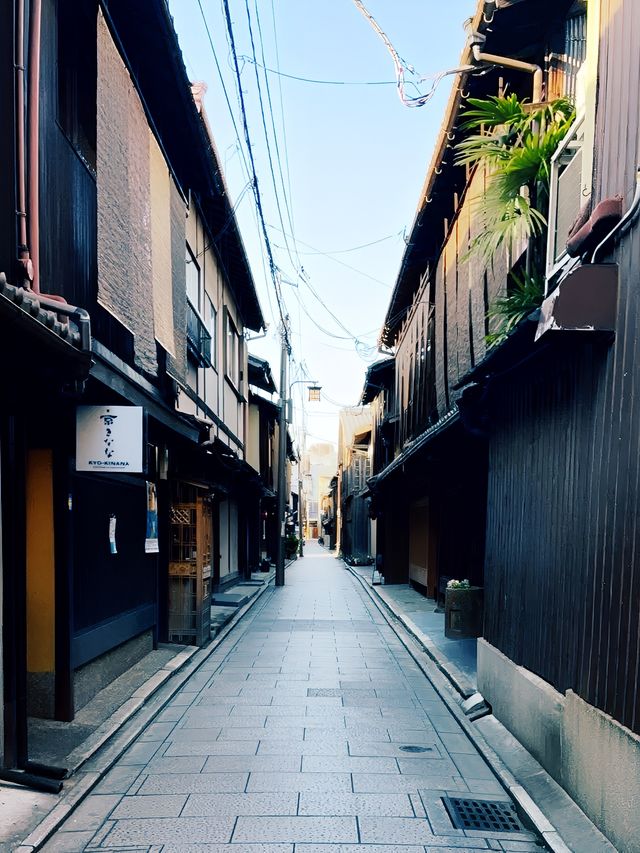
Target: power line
(322,82)
(353,248)
(266,133)
(256,188)
(338,261)
(402,66)
(275,138)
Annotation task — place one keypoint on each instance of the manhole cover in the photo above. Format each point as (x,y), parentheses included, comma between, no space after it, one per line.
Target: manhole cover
(412,748)
(487,815)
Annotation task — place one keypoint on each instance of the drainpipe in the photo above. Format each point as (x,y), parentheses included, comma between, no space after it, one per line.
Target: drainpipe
(477,42)
(24,258)
(33,139)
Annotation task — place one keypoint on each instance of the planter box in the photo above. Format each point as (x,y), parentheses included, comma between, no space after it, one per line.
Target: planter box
(463,613)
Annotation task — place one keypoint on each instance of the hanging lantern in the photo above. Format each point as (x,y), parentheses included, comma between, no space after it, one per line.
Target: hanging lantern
(314,393)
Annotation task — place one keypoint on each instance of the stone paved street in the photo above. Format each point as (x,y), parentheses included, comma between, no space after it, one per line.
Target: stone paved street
(292,738)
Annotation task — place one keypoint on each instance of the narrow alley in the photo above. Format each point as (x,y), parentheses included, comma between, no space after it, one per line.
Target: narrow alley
(310,728)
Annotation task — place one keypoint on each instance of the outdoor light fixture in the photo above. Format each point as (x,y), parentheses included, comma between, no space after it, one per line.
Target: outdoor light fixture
(314,393)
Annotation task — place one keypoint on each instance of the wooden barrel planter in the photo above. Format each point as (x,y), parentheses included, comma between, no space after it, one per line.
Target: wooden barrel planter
(463,613)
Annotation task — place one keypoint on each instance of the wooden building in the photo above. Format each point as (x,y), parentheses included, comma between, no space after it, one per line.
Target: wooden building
(517,461)
(128,218)
(357,531)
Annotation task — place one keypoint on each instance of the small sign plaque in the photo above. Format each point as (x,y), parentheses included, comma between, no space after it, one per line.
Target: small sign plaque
(110,438)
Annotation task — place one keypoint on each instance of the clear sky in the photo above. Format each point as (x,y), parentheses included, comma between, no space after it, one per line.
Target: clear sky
(352,158)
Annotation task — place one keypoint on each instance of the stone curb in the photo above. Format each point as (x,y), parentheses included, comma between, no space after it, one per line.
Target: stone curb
(536,818)
(149,703)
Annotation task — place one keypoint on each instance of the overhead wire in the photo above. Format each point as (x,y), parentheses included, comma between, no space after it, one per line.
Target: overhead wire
(323,82)
(287,202)
(266,133)
(402,67)
(338,261)
(256,189)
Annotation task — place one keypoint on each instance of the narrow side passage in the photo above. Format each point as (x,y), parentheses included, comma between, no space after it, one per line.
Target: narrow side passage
(314,732)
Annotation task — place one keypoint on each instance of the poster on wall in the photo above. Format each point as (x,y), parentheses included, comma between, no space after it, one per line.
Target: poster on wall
(110,438)
(151,540)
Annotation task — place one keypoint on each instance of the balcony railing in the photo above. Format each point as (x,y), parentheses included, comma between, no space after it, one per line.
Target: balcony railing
(198,338)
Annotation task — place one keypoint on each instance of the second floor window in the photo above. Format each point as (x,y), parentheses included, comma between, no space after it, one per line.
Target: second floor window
(77,75)
(193,279)
(232,352)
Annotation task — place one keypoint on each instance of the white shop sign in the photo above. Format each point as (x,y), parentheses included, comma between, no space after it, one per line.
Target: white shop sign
(110,438)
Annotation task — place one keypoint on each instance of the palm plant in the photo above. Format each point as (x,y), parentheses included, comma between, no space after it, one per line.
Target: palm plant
(523,296)
(515,142)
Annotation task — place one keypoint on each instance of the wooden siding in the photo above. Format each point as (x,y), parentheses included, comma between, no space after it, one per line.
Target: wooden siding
(67,192)
(562,561)
(455,298)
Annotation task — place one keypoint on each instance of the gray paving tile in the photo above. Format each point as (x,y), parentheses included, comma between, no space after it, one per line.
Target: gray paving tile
(296,829)
(379,783)
(473,766)
(457,743)
(395,805)
(326,732)
(172,764)
(348,764)
(320,782)
(149,806)
(241,804)
(68,842)
(92,812)
(194,783)
(140,753)
(421,766)
(394,830)
(118,780)
(157,731)
(335,746)
(292,733)
(444,723)
(224,848)
(251,763)
(357,747)
(176,830)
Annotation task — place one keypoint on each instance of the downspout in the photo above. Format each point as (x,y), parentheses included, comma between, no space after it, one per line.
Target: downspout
(33,139)
(24,258)
(477,42)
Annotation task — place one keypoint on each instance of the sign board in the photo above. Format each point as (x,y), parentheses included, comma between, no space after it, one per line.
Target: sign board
(110,438)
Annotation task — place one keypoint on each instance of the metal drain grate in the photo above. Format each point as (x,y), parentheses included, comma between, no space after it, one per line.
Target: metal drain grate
(488,815)
(412,748)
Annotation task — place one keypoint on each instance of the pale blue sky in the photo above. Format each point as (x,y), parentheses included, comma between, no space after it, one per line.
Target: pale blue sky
(356,162)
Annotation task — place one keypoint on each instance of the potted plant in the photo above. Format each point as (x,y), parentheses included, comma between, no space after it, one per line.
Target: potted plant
(463,606)
(291,546)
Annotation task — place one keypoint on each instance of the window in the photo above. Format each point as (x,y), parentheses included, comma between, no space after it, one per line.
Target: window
(193,279)
(211,320)
(198,335)
(77,76)
(232,352)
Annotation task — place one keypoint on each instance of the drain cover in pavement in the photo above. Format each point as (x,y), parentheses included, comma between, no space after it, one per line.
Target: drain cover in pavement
(487,815)
(412,748)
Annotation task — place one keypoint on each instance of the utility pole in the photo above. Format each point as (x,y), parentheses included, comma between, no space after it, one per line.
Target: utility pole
(282,457)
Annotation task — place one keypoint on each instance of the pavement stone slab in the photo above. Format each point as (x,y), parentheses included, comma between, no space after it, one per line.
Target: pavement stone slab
(193,783)
(265,782)
(187,830)
(225,848)
(392,805)
(241,804)
(296,829)
(159,805)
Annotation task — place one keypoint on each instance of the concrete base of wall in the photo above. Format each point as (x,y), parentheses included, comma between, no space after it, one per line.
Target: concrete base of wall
(97,674)
(41,695)
(528,706)
(592,756)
